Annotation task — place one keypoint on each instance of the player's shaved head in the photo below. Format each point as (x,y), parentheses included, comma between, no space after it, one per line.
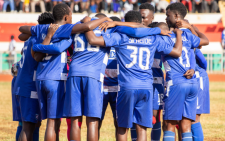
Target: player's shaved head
(60,10)
(46,18)
(133,16)
(114,18)
(163,25)
(100,15)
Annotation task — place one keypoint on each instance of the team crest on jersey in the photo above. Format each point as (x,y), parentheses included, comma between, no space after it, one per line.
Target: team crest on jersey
(43,36)
(112,54)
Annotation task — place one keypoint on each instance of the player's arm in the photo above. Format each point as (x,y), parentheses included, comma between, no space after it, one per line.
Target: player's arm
(201,59)
(24,37)
(106,40)
(25,29)
(55,48)
(93,39)
(106,25)
(87,26)
(177,49)
(189,73)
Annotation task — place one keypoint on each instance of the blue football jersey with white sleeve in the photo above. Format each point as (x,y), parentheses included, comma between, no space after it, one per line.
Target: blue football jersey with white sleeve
(110,80)
(88,60)
(135,58)
(176,67)
(53,66)
(25,81)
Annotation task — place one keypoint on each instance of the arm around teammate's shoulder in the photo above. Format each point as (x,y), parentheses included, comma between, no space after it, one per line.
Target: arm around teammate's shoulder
(177,49)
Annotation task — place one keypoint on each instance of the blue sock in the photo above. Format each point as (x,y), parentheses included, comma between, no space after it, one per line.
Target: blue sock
(36,134)
(197,132)
(156,132)
(19,129)
(169,136)
(187,136)
(133,133)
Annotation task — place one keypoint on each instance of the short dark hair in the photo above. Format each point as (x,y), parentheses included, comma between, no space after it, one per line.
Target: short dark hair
(133,16)
(161,25)
(60,10)
(100,14)
(46,18)
(12,37)
(179,8)
(114,18)
(147,6)
(153,24)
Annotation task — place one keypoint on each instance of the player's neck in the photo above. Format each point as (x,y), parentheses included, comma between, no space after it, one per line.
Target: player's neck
(60,22)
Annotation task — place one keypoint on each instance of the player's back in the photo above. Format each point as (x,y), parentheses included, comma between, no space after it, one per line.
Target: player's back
(91,60)
(25,82)
(53,66)
(176,67)
(135,58)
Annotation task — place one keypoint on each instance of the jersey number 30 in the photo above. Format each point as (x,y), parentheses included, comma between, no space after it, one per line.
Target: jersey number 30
(134,56)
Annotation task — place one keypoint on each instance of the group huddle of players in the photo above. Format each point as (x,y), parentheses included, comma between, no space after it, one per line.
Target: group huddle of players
(113,62)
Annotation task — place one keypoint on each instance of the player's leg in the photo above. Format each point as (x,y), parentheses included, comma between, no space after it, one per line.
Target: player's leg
(68,121)
(122,134)
(36,131)
(143,113)
(93,102)
(73,105)
(18,131)
(133,132)
(172,111)
(52,130)
(156,130)
(75,132)
(104,107)
(189,112)
(196,129)
(27,131)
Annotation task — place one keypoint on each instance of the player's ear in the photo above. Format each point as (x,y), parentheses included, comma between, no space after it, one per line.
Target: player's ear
(65,18)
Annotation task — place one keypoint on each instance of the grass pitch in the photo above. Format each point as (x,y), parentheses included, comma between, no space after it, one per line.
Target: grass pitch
(213,124)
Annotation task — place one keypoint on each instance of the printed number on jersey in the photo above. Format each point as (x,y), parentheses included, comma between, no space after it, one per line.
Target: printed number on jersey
(23,56)
(134,56)
(80,44)
(184,60)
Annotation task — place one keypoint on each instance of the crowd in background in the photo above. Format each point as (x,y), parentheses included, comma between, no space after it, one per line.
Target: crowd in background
(105,6)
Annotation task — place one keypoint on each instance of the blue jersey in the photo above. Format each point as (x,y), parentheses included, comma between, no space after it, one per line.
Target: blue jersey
(176,67)
(135,58)
(201,63)
(88,60)
(223,38)
(157,69)
(25,81)
(110,80)
(53,66)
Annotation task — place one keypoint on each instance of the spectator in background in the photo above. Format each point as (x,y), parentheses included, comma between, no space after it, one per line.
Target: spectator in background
(188,4)
(67,2)
(76,5)
(85,5)
(99,5)
(93,7)
(1,4)
(135,4)
(162,6)
(127,7)
(56,2)
(10,3)
(41,3)
(197,6)
(116,6)
(12,48)
(108,5)
(26,5)
(19,5)
(48,5)
(210,6)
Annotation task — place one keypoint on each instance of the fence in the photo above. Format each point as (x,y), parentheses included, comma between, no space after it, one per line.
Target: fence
(215,61)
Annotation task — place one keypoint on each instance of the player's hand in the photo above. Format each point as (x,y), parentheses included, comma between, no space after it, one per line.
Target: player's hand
(106,25)
(38,56)
(166,32)
(86,19)
(189,73)
(52,29)
(182,23)
(195,28)
(177,31)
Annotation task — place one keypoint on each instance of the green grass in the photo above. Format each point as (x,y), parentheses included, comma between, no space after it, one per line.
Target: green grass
(213,124)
